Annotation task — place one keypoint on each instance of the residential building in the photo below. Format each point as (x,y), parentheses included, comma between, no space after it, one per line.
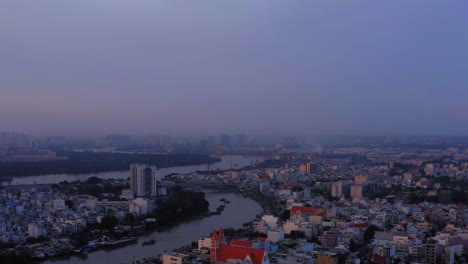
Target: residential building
(143,180)
(175,258)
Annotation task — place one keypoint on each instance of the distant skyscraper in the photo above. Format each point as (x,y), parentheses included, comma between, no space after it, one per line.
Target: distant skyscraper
(143,180)
(431,251)
(356,191)
(117,140)
(224,140)
(302,168)
(311,167)
(337,188)
(241,140)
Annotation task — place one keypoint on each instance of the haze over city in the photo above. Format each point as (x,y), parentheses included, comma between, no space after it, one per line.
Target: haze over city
(97,67)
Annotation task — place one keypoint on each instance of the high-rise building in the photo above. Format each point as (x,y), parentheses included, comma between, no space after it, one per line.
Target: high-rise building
(143,180)
(309,167)
(356,190)
(449,255)
(337,189)
(431,251)
(224,140)
(302,168)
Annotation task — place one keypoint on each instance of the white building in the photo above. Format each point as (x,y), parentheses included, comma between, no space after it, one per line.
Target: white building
(127,194)
(271,221)
(356,191)
(274,236)
(174,258)
(59,204)
(141,206)
(204,242)
(261,227)
(143,180)
(337,189)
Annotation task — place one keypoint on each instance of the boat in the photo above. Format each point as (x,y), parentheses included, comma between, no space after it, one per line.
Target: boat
(122,241)
(227,201)
(83,250)
(149,242)
(222,199)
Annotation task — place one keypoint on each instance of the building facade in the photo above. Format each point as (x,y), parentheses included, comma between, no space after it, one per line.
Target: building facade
(143,180)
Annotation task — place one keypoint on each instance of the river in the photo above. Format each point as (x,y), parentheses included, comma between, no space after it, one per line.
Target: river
(239,211)
(227,162)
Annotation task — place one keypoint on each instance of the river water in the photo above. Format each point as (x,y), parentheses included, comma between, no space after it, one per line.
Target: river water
(227,162)
(239,211)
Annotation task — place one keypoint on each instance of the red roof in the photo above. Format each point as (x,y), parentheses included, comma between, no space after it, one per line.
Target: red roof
(364,225)
(241,253)
(263,239)
(242,243)
(380,260)
(319,211)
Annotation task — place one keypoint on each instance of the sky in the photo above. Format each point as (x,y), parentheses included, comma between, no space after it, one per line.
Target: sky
(88,67)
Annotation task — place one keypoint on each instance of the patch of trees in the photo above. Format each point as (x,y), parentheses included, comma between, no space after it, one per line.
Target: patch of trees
(184,204)
(91,162)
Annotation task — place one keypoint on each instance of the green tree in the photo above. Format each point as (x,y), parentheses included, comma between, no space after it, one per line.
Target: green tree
(285,215)
(109,222)
(370,232)
(69,203)
(129,218)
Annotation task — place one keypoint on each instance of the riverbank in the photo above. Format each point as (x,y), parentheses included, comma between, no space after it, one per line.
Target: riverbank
(224,163)
(178,234)
(111,232)
(93,162)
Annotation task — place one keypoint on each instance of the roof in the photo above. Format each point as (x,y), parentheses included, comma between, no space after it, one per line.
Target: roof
(362,226)
(242,243)
(318,211)
(234,252)
(262,239)
(383,235)
(380,260)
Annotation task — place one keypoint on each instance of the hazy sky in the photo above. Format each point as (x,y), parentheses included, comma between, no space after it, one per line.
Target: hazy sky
(137,66)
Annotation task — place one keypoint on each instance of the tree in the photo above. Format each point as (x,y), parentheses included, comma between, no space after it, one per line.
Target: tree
(370,232)
(69,203)
(129,218)
(285,215)
(353,247)
(109,222)
(94,180)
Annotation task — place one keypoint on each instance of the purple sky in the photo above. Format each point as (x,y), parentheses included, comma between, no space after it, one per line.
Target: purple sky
(253,66)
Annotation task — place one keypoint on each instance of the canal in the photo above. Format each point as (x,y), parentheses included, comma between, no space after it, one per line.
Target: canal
(239,211)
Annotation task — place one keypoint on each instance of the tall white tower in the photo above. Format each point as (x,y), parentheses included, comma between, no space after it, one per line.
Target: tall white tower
(143,180)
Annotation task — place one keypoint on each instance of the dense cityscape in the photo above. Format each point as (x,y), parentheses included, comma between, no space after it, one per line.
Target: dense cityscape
(233,132)
(386,199)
